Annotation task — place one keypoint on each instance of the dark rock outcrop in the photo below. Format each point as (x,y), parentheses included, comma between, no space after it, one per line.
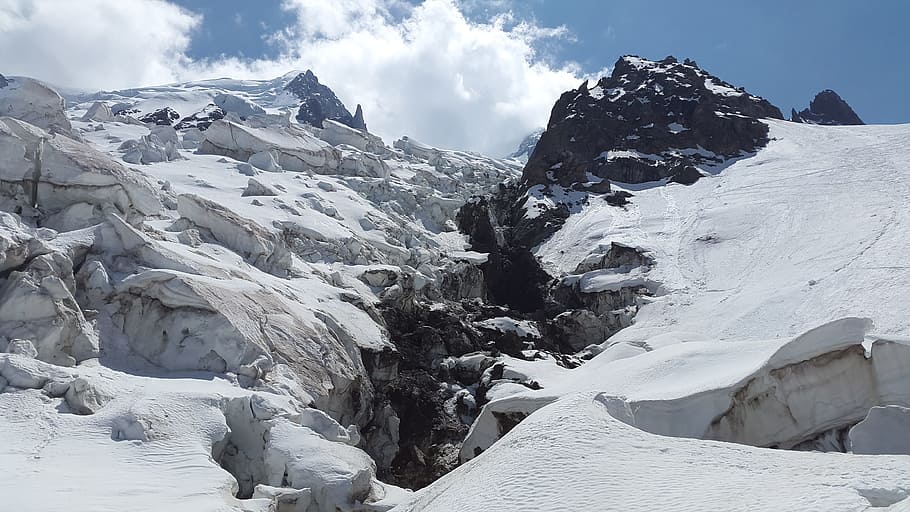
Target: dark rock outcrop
(162,117)
(358,122)
(202,119)
(3,82)
(827,108)
(647,121)
(320,103)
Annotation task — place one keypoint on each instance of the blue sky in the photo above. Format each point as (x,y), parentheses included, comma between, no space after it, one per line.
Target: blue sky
(785,51)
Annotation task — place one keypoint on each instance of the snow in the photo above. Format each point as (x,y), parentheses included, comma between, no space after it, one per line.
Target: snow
(541,198)
(627,153)
(506,324)
(171,468)
(722,90)
(827,243)
(573,455)
(609,279)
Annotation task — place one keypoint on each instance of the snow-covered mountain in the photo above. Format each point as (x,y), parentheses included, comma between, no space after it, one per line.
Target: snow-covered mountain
(228,295)
(526,147)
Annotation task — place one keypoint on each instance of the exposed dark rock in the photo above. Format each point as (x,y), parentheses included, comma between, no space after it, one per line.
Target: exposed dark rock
(320,103)
(3,82)
(202,119)
(617,198)
(647,121)
(498,226)
(411,382)
(124,109)
(687,175)
(430,438)
(358,122)
(422,384)
(162,117)
(827,108)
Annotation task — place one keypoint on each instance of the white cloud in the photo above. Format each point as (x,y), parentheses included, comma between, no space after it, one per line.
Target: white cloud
(424,71)
(430,72)
(94,43)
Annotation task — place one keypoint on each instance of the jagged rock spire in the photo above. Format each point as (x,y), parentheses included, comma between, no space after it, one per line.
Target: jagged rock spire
(320,103)
(827,108)
(359,123)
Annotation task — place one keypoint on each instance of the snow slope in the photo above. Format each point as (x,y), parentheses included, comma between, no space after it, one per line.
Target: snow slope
(808,230)
(573,455)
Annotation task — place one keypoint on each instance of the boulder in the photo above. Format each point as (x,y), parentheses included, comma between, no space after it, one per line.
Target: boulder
(255,188)
(99,111)
(380,276)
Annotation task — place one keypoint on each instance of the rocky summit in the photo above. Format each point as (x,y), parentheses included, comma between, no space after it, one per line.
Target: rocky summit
(320,103)
(647,121)
(827,108)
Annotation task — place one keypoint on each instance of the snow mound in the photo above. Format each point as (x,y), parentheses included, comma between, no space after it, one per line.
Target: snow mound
(35,103)
(574,455)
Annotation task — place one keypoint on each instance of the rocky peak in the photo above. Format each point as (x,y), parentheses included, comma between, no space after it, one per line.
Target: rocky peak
(320,103)
(827,108)
(648,120)
(3,82)
(359,123)
(526,147)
